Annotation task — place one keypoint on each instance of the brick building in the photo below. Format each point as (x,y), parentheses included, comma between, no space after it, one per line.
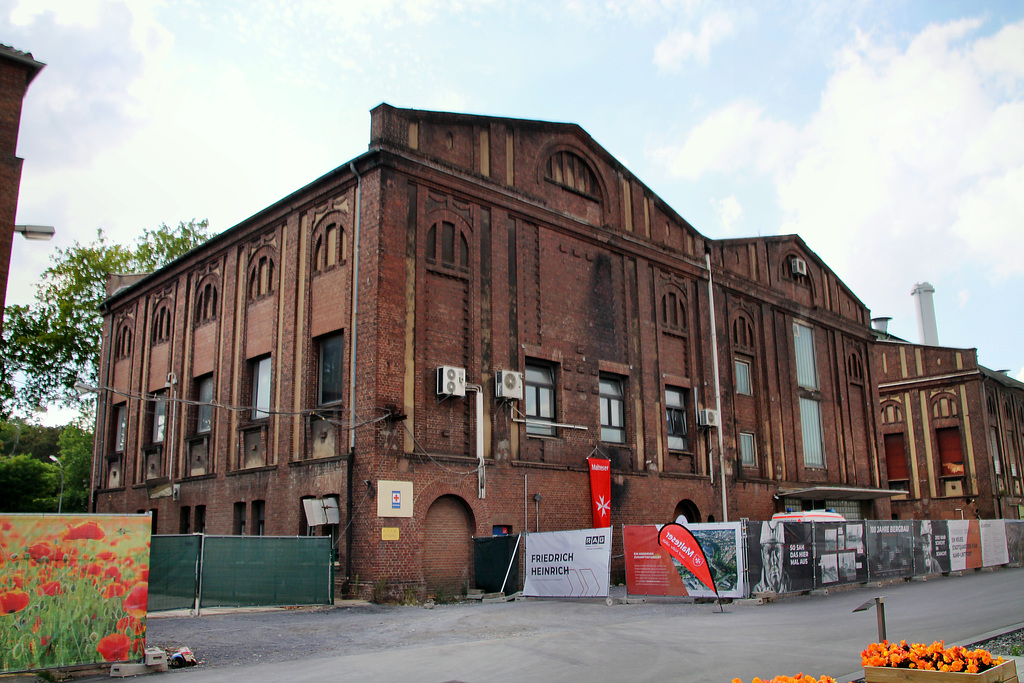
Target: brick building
(17,69)
(952,432)
(285,375)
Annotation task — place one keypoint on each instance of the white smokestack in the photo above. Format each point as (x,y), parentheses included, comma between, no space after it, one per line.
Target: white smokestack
(926,328)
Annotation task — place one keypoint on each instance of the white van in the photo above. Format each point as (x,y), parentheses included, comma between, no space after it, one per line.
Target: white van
(808,516)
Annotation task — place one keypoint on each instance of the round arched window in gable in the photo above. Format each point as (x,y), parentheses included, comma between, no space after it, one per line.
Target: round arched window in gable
(571,172)
(447,246)
(261,277)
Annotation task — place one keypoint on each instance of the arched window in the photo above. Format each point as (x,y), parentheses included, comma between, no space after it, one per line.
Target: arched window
(944,406)
(742,332)
(855,368)
(673,311)
(329,249)
(123,342)
(571,172)
(161,323)
(891,414)
(447,246)
(261,277)
(206,303)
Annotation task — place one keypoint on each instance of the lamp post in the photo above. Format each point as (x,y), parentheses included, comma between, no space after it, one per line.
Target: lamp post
(60,501)
(35,232)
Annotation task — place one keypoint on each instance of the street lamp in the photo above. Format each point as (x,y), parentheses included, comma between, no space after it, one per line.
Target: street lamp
(35,232)
(60,501)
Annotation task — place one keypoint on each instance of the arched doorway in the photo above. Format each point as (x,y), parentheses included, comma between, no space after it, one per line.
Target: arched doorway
(688,509)
(448,547)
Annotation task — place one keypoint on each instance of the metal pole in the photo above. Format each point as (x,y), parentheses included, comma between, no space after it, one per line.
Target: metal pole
(880,609)
(515,556)
(718,386)
(60,501)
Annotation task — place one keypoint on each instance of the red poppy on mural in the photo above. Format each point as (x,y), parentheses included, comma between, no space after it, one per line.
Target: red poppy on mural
(114,647)
(88,531)
(136,602)
(13,601)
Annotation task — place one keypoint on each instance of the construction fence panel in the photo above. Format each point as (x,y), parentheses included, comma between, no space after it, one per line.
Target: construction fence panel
(173,571)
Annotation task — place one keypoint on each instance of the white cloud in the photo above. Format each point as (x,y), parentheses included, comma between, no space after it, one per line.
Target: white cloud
(730,213)
(682,44)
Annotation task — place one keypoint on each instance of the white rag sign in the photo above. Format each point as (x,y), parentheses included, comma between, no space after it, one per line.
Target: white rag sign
(568,564)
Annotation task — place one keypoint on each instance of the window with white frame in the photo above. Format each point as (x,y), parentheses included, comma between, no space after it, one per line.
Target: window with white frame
(260,388)
(675,417)
(613,410)
(743,377)
(159,416)
(806,368)
(810,428)
(748,449)
(540,399)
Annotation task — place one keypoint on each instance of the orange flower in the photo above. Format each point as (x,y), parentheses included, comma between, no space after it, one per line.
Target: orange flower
(50,588)
(136,602)
(114,590)
(88,531)
(13,601)
(113,647)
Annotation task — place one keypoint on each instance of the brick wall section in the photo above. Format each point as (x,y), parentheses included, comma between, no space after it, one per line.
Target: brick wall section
(574,279)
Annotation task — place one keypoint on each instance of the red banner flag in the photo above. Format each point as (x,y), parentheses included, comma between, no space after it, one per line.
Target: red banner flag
(601,491)
(682,545)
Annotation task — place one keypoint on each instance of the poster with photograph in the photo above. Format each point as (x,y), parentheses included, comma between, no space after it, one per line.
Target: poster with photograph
(931,547)
(839,553)
(780,556)
(890,549)
(1015,542)
(652,571)
(993,542)
(74,589)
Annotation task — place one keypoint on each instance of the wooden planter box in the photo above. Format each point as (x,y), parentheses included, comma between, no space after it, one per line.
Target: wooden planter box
(1005,672)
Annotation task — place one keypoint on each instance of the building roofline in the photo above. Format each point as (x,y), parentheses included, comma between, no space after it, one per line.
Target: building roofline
(23,58)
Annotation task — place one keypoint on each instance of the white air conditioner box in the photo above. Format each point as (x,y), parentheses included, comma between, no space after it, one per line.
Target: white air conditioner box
(451,381)
(708,418)
(508,384)
(798,266)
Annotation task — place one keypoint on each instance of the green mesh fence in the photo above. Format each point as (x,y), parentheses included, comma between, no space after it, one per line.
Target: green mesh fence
(266,570)
(173,563)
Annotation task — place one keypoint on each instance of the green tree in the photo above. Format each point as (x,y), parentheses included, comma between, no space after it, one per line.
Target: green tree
(76,457)
(55,342)
(27,485)
(19,436)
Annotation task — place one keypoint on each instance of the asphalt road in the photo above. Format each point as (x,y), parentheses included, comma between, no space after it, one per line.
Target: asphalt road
(557,640)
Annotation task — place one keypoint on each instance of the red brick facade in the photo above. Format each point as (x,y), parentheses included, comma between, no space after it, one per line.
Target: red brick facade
(489,245)
(17,69)
(952,433)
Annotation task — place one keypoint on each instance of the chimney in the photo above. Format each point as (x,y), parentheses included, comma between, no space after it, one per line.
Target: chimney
(926,328)
(881,324)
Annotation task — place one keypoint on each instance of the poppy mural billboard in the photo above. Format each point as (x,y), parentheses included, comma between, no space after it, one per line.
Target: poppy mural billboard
(73,589)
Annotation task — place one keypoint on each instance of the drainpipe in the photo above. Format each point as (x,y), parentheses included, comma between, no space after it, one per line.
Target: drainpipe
(718,385)
(481,471)
(352,374)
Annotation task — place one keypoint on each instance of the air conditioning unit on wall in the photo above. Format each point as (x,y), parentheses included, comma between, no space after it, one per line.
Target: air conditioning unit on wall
(798,266)
(708,418)
(451,381)
(508,384)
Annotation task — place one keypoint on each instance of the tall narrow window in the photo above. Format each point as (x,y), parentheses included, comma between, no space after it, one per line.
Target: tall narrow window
(950,454)
(613,414)
(540,399)
(200,516)
(806,369)
(896,457)
(159,416)
(261,388)
(330,386)
(810,428)
(120,428)
(259,511)
(743,377)
(675,416)
(748,449)
(185,520)
(238,522)
(204,412)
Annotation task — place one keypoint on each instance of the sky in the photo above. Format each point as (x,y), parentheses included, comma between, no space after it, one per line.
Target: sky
(889,135)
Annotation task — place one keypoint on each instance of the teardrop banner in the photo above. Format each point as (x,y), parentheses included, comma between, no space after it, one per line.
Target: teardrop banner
(684,546)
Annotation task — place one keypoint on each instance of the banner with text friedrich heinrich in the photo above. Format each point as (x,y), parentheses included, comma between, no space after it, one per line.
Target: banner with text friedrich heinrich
(568,564)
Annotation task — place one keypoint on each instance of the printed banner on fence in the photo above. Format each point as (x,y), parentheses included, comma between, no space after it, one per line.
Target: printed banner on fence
(685,549)
(73,589)
(601,491)
(569,564)
(931,547)
(780,556)
(964,544)
(650,570)
(840,553)
(993,542)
